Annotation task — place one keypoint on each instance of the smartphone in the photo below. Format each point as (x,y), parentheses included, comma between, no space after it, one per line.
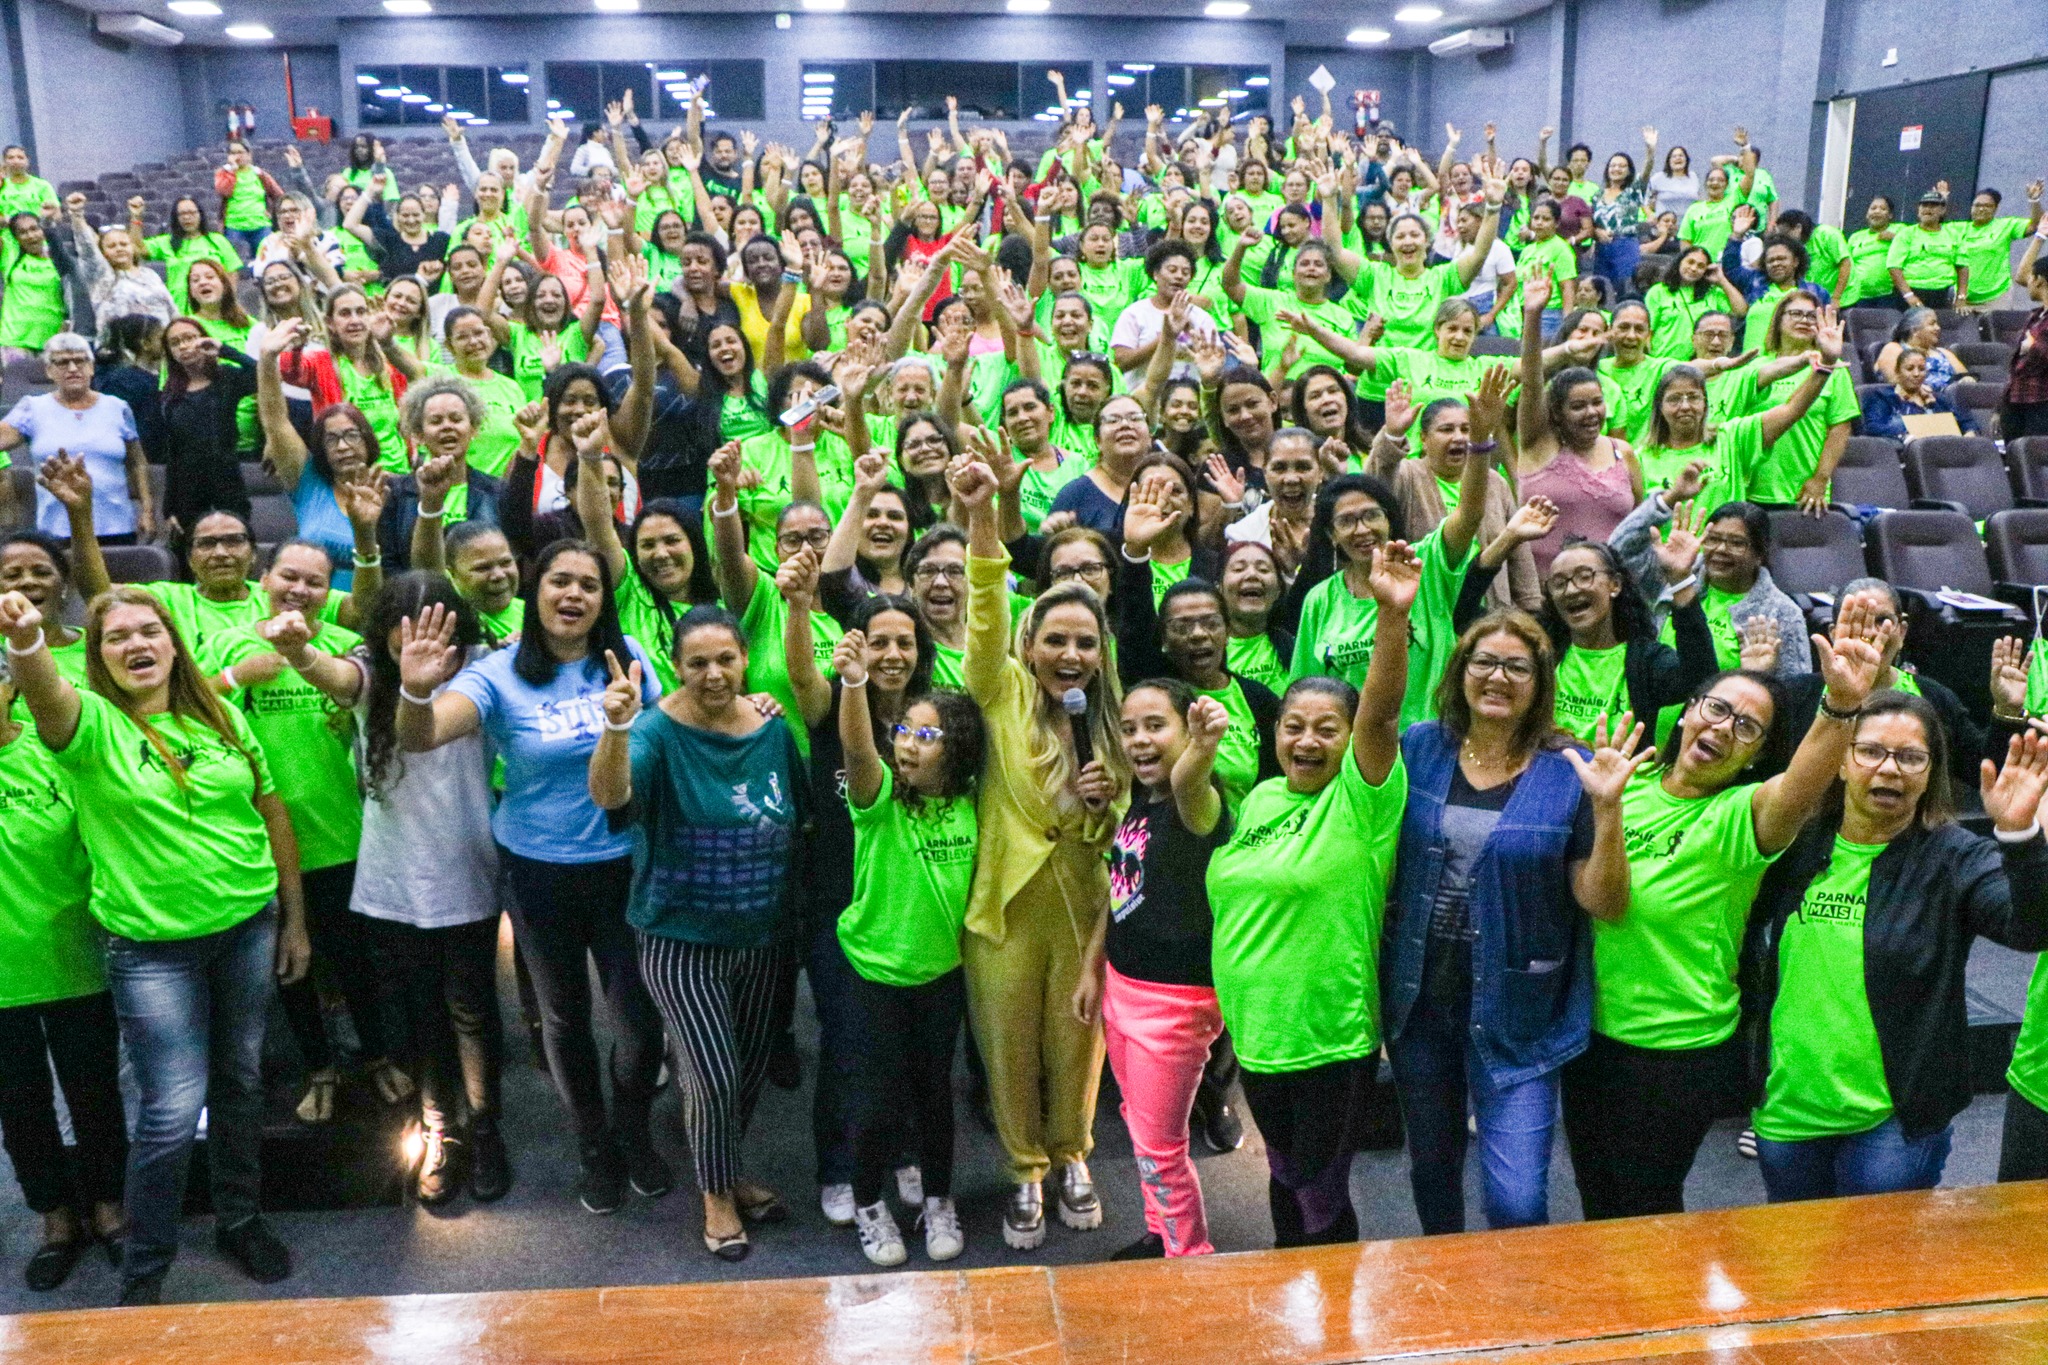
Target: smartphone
(802,412)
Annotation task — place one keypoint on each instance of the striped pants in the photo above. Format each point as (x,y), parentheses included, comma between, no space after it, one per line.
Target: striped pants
(719,1006)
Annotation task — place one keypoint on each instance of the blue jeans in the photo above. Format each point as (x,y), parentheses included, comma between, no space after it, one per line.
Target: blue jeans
(1880,1161)
(1435,1071)
(248,241)
(192,1013)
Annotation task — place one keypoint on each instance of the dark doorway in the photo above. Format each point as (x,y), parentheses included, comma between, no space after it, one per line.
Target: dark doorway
(1945,118)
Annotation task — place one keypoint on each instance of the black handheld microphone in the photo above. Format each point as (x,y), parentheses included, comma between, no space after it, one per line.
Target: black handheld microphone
(1075,702)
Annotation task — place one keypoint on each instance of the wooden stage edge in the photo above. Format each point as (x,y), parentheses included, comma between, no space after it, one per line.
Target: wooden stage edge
(1913,1279)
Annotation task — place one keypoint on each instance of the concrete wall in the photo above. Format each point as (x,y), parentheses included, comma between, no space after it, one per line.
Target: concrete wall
(1393,74)
(97,105)
(214,77)
(1510,87)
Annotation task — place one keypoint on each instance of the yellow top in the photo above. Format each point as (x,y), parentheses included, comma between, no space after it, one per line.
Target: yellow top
(1021,822)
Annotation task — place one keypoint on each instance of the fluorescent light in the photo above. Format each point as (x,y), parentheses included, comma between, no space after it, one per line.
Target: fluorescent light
(475,122)
(819,77)
(824,4)
(1121,81)
(249,33)
(412,99)
(408,7)
(1236,94)
(367,79)
(1258,82)
(1212,102)
(1367,35)
(616,6)
(565,114)
(1046,118)
(1028,6)
(1417,14)
(437,108)
(1084,94)
(389,92)
(671,75)
(197,9)
(1226,9)
(554,104)
(514,77)
(1140,67)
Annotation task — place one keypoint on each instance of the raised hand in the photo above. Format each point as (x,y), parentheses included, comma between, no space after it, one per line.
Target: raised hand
(1536,290)
(1680,550)
(1489,405)
(850,659)
(870,474)
(67,480)
(1208,722)
(1686,484)
(1616,756)
(724,467)
(20,621)
(1532,521)
(2012,795)
(1225,480)
(362,498)
(1744,221)
(427,656)
(1147,517)
(288,335)
(1828,334)
(2009,674)
(1396,576)
(288,634)
(622,693)
(1853,660)
(1401,409)
(1760,643)
(589,433)
(973,483)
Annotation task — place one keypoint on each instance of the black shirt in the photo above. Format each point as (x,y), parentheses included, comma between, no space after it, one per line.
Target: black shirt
(1159,919)
(395,255)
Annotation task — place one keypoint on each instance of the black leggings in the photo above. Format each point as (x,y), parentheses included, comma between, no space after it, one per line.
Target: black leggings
(2023,1153)
(1310,1120)
(446,981)
(1636,1116)
(343,953)
(81,1037)
(903,1039)
(565,913)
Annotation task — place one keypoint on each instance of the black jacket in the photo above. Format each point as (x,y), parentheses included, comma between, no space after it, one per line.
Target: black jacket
(1931,893)
(1967,740)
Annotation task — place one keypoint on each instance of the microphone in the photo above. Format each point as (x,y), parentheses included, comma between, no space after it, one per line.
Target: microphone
(1075,702)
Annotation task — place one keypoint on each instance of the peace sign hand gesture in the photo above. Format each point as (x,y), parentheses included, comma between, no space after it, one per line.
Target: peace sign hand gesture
(622,694)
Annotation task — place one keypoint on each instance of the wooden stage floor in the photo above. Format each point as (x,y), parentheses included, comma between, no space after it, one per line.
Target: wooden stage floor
(1953,1276)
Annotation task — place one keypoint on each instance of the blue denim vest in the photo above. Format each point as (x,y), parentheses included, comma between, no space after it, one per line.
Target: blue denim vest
(1532,957)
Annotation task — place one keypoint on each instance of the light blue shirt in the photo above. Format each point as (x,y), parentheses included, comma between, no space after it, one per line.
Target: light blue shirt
(99,435)
(546,736)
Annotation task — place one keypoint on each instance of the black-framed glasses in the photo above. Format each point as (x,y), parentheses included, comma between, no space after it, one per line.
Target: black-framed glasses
(796,540)
(235,540)
(1088,570)
(1582,578)
(1716,711)
(1721,542)
(1484,666)
(927,572)
(1181,626)
(923,734)
(1345,523)
(1870,754)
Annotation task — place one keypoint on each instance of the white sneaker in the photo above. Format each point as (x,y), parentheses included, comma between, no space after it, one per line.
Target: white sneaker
(942,1239)
(836,1203)
(910,1186)
(880,1242)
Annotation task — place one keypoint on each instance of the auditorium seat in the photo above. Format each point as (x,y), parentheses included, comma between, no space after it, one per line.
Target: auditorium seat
(1981,399)
(1984,355)
(1814,555)
(2026,461)
(1922,553)
(2016,547)
(271,519)
(258,480)
(1869,475)
(139,563)
(2007,324)
(1958,328)
(1926,551)
(1965,471)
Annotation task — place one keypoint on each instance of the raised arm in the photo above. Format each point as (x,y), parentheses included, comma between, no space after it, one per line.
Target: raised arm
(70,483)
(611,763)
(1195,797)
(340,679)
(635,417)
(734,568)
(282,444)
(1232,278)
(53,702)
(1489,414)
(1600,880)
(1532,422)
(1473,258)
(427,657)
(1850,664)
(593,495)
(1376,727)
(797,581)
(856,731)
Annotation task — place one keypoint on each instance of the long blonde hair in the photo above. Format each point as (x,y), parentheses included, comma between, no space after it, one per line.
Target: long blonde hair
(191,697)
(1047,750)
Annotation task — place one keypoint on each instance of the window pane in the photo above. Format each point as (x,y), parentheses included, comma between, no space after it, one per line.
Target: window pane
(375,109)
(505,89)
(463,88)
(845,88)
(738,89)
(421,86)
(1162,83)
(1232,84)
(985,89)
(574,92)
(1039,97)
(617,78)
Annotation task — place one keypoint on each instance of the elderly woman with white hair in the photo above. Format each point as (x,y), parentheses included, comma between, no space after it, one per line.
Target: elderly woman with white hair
(95,427)
(440,417)
(110,265)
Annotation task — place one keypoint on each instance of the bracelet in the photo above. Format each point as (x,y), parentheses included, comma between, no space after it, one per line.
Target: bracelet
(846,682)
(2019,836)
(227,675)
(1485,448)
(617,729)
(375,561)
(406,695)
(1835,713)
(1691,580)
(41,640)
(731,509)
(435,515)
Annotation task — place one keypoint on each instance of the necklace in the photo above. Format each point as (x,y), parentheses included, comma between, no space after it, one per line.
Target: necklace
(1500,764)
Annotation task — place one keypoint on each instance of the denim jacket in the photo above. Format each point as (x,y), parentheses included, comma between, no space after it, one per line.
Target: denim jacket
(1532,955)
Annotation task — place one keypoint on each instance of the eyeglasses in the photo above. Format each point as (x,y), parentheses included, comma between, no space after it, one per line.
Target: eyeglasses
(923,734)
(1870,754)
(796,540)
(1483,666)
(69,360)
(953,572)
(1089,570)
(347,436)
(1123,419)
(235,541)
(1180,626)
(1347,522)
(1714,711)
(1725,543)
(1581,578)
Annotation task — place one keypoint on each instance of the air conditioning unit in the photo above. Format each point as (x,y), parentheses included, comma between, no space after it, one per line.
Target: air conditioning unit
(136,28)
(1472,40)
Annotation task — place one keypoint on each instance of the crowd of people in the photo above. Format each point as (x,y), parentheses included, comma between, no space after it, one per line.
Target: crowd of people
(1125,605)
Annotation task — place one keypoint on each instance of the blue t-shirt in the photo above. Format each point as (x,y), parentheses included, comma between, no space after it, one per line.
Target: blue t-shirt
(320,517)
(1092,508)
(546,736)
(99,435)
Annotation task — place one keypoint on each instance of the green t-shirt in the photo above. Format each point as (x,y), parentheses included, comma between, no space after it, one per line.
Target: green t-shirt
(379,404)
(1756,323)
(1631,394)
(1038,488)
(1077,439)
(1729,392)
(641,617)
(246,208)
(49,949)
(1107,289)
(1164,576)
(1554,254)
(1709,224)
(1717,606)
(178,259)
(1793,457)
(362,176)
(1763,191)
(31,302)
(1263,306)
(1429,376)
(949,666)
(1986,249)
(1590,684)
(1826,249)
(202,622)
(1408,306)
(1869,277)
(2037,678)
(1664,974)
(497,440)
(1826,1074)
(1253,656)
(170,863)
(310,745)
(767,665)
(70,661)
(1928,260)
(530,366)
(1299,894)
(1337,630)
(743,415)
(768,454)
(1731,453)
(1237,754)
(500,626)
(912,868)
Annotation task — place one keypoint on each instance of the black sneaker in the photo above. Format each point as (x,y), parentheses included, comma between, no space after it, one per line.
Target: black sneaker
(646,1171)
(144,1291)
(601,1186)
(1150,1247)
(785,1068)
(490,1166)
(440,1178)
(1222,1129)
(252,1246)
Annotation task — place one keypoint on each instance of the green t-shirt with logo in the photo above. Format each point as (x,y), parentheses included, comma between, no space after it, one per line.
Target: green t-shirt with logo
(178,258)
(1253,656)
(379,404)
(912,868)
(1718,607)
(247,209)
(1928,260)
(1869,277)
(1709,224)
(767,664)
(1664,973)
(497,440)
(1299,894)
(1675,314)
(49,949)
(768,455)
(1039,487)
(1590,684)
(1429,376)
(1553,254)
(170,862)
(202,622)
(1407,305)
(1794,456)
(1264,306)
(1986,249)
(310,743)
(1631,394)
(1337,629)
(1826,1074)
(1237,753)
(1731,454)
(530,366)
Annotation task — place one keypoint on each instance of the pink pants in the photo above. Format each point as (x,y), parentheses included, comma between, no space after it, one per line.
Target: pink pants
(1158,1040)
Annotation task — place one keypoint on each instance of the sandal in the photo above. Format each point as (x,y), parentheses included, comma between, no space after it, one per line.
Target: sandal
(392,1083)
(767,1207)
(729,1249)
(318,1104)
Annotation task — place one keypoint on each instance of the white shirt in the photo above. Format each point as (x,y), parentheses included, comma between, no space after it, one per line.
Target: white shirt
(1499,261)
(1142,321)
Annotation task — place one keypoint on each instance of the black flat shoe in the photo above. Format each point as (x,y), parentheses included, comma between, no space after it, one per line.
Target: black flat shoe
(143,1292)
(731,1249)
(768,1210)
(53,1263)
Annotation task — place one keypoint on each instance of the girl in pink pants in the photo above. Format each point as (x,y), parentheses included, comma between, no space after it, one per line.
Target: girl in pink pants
(1149,956)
